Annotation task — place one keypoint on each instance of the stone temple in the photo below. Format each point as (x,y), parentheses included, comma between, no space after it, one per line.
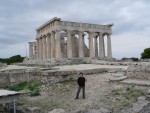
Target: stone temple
(57,39)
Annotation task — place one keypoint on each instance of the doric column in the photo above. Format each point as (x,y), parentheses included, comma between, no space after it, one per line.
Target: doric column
(58,46)
(48,46)
(96,46)
(52,44)
(44,47)
(109,50)
(69,44)
(30,51)
(41,48)
(81,45)
(37,48)
(101,46)
(91,50)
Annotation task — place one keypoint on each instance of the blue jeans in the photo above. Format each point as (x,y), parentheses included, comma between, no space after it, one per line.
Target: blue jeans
(83,92)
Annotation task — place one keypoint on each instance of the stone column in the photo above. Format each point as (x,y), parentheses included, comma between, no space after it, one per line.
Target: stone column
(81,45)
(30,51)
(52,44)
(58,46)
(96,46)
(41,50)
(37,48)
(48,46)
(69,45)
(91,50)
(109,50)
(44,47)
(101,47)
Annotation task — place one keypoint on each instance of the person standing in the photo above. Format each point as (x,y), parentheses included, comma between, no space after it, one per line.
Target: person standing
(81,83)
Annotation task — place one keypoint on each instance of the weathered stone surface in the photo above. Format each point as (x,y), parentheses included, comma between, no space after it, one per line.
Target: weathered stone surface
(136,82)
(119,78)
(57,111)
(141,72)
(148,92)
(33,110)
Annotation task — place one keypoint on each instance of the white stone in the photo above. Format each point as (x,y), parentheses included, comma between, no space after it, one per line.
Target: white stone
(57,111)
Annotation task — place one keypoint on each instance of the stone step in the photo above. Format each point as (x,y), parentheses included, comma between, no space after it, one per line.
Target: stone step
(136,82)
(120,78)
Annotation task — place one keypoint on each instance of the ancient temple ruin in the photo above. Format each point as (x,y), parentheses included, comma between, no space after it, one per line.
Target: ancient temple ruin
(57,39)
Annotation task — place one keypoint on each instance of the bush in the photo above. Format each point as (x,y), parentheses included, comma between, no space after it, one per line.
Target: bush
(13,59)
(35,92)
(33,87)
(18,87)
(146,53)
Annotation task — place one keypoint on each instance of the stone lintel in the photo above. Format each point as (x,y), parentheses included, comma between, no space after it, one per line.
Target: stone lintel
(52,20)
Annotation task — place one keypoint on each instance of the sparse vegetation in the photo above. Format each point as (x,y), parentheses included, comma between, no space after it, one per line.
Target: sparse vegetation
(84,62)
(123,97)
(18,87)
(33,87)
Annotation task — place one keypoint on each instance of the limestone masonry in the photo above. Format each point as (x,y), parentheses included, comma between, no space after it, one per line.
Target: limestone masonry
(57,39)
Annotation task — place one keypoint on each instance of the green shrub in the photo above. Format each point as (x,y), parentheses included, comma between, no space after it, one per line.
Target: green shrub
(35,92)
(33,87)
(17,87)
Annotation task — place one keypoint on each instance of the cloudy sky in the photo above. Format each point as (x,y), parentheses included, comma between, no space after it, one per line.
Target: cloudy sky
(131,18)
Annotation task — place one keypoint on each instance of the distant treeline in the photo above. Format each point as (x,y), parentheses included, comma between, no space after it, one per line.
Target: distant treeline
(13,59)
(133,59)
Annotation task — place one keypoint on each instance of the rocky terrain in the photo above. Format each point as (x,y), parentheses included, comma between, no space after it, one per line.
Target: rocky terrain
(102,96)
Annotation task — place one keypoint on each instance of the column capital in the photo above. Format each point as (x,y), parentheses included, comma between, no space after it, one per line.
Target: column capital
(101,34)
(48,34)
(108,34)
(44,36)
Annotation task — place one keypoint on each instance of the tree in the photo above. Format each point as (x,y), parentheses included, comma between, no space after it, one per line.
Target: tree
(13,59)
(146,53)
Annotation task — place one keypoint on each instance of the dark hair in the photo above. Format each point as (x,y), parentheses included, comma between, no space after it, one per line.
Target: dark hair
(80,73)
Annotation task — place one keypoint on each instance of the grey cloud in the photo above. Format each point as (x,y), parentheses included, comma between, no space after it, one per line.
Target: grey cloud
(20,18)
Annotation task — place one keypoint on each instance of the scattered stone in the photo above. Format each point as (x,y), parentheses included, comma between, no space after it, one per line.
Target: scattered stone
(57,111)
(136,82)
(148,92)
(141,98)
(33,110)
(118,78)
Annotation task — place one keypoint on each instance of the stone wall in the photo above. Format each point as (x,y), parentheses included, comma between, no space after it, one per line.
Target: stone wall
(139,72)
(7,79)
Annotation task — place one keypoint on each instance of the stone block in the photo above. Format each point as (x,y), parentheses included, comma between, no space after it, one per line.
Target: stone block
(33,110)
(57,111)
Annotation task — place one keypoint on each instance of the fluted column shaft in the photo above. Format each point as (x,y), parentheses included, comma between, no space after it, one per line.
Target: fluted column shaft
(41,48)
(109,50)
(30,51)
(96,47)
(81,45)
(48,46)
(44,47)
(91,49)
(52,44)
(101,46)
(69,45)
(58,46)
(37,48)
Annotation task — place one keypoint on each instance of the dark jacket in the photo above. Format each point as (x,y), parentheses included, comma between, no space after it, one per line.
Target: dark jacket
(81,81)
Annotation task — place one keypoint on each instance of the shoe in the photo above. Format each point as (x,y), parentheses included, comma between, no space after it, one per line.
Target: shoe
(75,98)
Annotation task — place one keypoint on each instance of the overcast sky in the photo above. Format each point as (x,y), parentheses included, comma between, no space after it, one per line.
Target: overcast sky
(131,18)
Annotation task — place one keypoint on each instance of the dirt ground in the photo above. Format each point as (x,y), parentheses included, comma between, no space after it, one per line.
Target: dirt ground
(99,93)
